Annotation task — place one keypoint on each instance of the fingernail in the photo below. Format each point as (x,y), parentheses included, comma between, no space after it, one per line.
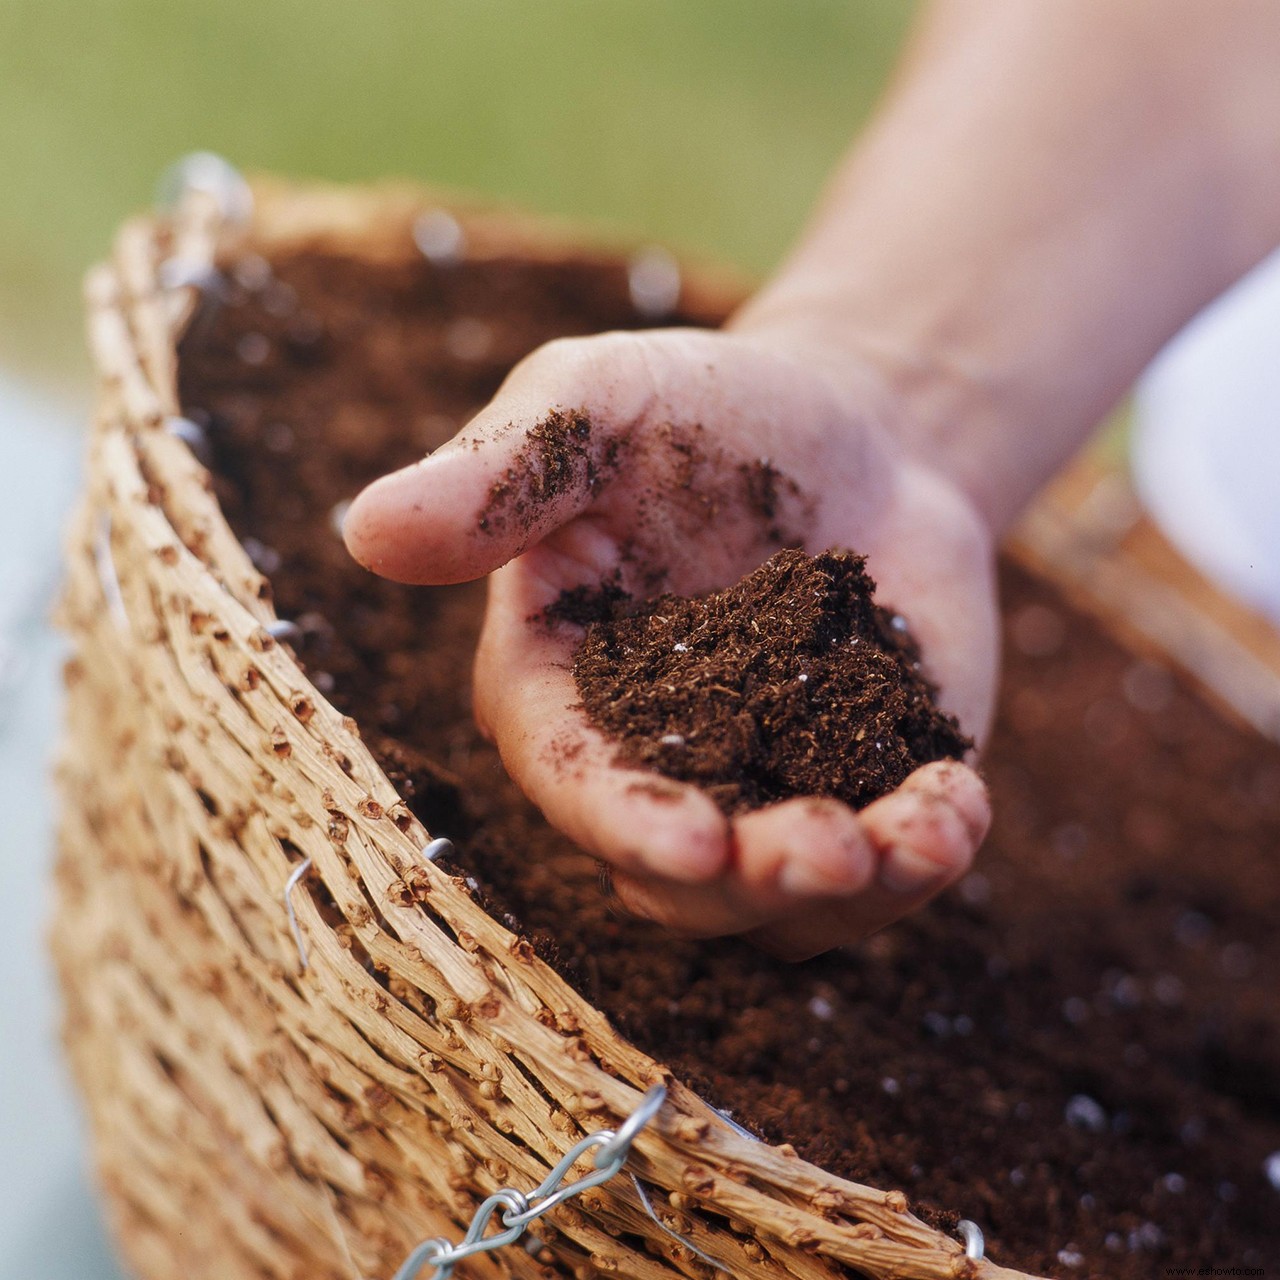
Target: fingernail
(903,870)
(800,878)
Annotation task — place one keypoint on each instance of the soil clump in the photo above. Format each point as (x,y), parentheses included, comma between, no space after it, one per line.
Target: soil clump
(559,455)
(792,682)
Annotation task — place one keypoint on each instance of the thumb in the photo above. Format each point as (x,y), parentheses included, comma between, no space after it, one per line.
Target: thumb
(528,463)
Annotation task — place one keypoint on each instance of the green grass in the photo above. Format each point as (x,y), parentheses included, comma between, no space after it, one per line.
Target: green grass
(708,124)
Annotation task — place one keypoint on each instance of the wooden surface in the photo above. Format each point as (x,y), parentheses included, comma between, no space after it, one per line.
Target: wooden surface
(1089,532)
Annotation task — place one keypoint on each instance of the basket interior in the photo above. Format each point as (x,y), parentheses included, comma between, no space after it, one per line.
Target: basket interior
(1077,1047)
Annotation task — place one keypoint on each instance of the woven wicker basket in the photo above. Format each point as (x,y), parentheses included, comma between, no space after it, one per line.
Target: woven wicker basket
(255,1117)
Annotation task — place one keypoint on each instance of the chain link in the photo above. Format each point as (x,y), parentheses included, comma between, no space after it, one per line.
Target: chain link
(515,1211)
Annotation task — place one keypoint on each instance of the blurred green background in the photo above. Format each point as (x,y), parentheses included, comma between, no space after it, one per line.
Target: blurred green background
(706,124)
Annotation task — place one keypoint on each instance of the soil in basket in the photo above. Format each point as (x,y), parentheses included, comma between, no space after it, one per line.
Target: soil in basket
(1078,1047)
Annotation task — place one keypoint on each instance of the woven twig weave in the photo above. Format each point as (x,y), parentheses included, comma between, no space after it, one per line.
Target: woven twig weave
(253,1117)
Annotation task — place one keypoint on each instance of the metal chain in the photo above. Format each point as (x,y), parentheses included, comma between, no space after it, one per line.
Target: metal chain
(516,1210)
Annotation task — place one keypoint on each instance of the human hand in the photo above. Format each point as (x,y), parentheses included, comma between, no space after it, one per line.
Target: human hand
(656,491)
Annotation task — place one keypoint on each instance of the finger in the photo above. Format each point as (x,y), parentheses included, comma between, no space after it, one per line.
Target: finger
(715,909)
(633,819)
(792,858)
(809,847)
(924,834)
(928,830)
(534,458)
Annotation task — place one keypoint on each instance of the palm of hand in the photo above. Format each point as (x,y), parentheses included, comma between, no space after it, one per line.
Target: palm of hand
(664,492)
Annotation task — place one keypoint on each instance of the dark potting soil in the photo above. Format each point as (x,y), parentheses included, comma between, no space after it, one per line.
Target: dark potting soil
(559,457)
(1078,1047)
(791,682)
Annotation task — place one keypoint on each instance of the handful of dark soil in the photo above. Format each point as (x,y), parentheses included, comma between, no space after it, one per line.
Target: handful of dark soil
(792,682)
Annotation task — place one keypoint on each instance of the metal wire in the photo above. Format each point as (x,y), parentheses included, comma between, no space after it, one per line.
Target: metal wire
(193,435)
(974,1243)
(283,629)
(735,1126)
(209,173)
(515,1210)
(206,282)
(177,273)
(675,1235)
(289,885)
(108,579)
(441,846)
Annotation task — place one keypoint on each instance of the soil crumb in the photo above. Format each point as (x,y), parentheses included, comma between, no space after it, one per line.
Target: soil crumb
(559,455)
(792,682)
(765,487)
(586,604)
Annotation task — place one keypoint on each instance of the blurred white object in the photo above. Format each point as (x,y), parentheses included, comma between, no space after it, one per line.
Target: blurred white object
(210,173)
(653,277)
(1206,450)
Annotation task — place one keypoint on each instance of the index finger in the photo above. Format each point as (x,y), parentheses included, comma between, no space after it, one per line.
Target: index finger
(537,456)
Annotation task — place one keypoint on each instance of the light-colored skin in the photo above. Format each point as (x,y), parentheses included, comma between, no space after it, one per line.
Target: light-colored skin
(1050,190)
